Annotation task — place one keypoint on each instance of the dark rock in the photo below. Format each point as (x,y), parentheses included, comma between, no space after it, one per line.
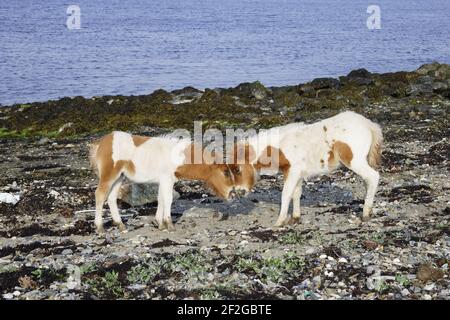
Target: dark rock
(422,85)
(396,89)
(325,83)
(428,67)
(140,194)
(439,87)
(443,73)
(435,70)
(359,73)
(419,89)
(446,93)
(186,91)
(361,81)
(325,93)
(187,94)
(161,95)
(210,94)
(252,90)
(305,89)
(359,77)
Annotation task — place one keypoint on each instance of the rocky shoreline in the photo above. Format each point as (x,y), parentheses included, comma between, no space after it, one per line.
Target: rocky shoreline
(49,249)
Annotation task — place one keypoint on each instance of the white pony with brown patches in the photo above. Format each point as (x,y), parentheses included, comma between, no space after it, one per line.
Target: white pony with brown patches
(301,151)
(161,160)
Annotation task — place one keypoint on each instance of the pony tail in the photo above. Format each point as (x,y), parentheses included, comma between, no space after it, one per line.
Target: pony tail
(93,147)
(374,156)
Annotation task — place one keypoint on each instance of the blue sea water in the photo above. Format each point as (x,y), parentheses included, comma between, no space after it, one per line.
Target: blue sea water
(136,46)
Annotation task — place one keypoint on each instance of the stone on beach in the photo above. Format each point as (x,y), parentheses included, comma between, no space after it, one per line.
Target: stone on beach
(139,194)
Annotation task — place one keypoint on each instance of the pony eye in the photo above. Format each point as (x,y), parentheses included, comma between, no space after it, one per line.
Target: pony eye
(237,170)
(227,173)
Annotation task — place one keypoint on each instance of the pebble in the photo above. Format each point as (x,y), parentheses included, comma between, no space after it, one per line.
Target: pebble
(342,260)
(71,285)
(8,296)
(87,251)
(43,141)
(427,297)
(66,252)
(429,287)
(323,256)
(137,287)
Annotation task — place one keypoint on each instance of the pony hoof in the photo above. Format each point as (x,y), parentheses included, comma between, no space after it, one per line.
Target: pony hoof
(365,218)
(294,220)
(162,226)
(169,225)
(281,223)
(100,231)
(121,226)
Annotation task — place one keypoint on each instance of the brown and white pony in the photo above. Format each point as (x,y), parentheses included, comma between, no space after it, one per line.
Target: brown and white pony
(300,151)
(141,159)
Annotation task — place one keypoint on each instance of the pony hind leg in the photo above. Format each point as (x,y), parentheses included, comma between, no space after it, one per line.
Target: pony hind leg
(101,193)
(112,203)
(371,177)
(286,196)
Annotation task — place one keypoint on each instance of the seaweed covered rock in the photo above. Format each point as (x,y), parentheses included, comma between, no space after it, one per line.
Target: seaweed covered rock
(185,95)
(422,85)
(140,194)
(222,108)
(359,77)
(253,90)
(435,70)
(325,83)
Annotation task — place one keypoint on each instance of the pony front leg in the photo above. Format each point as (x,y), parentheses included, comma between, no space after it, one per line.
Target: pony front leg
(296,202)
(166,192)
(160,210)
(286,197)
